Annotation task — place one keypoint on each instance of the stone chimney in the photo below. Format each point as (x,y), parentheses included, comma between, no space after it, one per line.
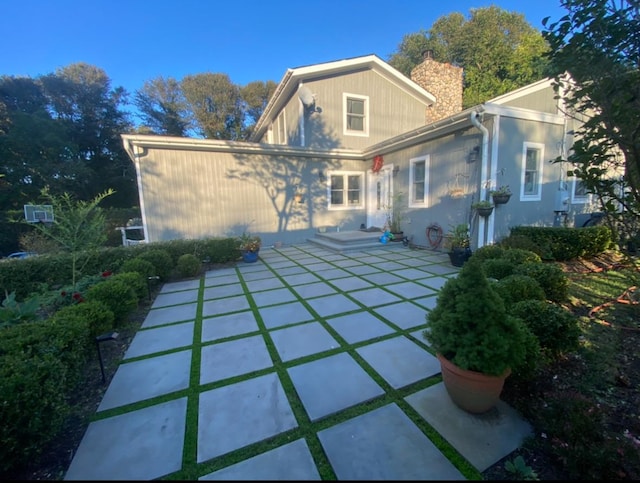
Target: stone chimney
(444,81)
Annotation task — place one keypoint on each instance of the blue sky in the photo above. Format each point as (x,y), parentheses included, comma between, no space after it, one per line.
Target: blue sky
(134,41)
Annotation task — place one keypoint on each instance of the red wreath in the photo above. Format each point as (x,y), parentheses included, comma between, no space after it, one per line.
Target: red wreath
(377,163)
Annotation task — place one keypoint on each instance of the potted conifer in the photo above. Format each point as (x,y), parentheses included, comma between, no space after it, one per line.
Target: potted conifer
(476,341)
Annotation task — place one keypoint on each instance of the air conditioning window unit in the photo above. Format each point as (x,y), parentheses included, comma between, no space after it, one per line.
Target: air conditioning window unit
(38,213)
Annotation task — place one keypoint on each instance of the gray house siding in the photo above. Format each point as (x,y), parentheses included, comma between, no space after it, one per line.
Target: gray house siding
(391,111)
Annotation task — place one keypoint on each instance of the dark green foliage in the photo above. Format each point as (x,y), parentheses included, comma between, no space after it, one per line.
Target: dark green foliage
(161,260)
(567,243)
(135,281)
(488,252)
(117,295)
(96,314)
(551,278)
(25,276)
(144,267)
(520,255)
(525,243)
(555,327)
(470,326)
(40,362)
(188,265)
(526,370)
(574,426)
(498,268)
(515,288)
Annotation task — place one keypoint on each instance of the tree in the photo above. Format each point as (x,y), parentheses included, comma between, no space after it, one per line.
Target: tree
(78,227)
(256,96)
(216,105)
(498,50)
(597,43)
(163,107)
(81,99)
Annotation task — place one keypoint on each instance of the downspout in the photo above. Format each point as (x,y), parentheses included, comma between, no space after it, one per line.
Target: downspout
(475,117)
(136,154)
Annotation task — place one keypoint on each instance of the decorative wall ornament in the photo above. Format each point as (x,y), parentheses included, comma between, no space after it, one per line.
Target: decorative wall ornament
(378,161)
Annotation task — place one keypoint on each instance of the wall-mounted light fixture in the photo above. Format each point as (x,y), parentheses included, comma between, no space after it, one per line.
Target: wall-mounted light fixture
(474,154)
(321,176)
(396,170)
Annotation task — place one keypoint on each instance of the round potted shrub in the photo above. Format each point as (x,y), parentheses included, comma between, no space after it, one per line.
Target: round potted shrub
(476,341)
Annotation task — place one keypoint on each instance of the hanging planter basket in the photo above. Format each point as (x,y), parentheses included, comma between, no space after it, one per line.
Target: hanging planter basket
(500,199)
(485,212)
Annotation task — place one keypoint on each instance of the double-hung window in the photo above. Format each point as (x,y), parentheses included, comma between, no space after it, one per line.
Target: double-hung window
(356,115)
(531,180)
(345,190)
(419,182)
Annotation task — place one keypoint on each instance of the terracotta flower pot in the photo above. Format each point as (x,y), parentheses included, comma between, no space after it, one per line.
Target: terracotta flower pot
(471,391)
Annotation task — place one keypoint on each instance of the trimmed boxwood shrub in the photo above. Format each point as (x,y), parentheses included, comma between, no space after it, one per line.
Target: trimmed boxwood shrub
(555,327)
(98,316)
(136,281)
(551,278)
(515,288)
(140,265)
(519,256)
(498,268)
(40,363)
(188,265)
(487,252)
(117,295)
(161,260)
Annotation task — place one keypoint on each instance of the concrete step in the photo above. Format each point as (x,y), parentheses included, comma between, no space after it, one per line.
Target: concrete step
(351,240)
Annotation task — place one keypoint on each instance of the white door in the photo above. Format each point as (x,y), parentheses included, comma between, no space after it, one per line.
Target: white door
(379,196)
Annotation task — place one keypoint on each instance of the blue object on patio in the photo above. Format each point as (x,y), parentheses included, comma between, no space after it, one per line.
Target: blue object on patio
(250,257)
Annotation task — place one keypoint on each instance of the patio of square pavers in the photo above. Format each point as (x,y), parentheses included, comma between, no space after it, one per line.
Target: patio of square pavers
(297,317)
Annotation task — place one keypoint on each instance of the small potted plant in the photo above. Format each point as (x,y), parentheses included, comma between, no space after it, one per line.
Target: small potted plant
(476,341)
(395,217)
(500,195)
(460,244)
(249,246)
(483,208)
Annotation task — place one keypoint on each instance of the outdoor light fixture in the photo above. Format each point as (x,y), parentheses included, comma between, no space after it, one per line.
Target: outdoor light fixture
(396,170)
(156,278)
(104,338)
(321,176)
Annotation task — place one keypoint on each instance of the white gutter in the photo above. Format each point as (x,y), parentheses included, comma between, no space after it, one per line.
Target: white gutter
(473,117)
(136,161)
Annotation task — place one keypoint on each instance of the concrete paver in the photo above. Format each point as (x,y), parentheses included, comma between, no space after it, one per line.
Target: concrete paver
(285,316)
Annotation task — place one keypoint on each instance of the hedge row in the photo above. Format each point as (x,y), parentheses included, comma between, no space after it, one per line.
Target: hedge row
(26,276)
(560,243)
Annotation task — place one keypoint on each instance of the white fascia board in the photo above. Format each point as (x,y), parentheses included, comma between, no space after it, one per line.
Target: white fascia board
(522,91)
(526,114)
(233,147)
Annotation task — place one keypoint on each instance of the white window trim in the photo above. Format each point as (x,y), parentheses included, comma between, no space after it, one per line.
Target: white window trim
(413,203)
(578,199)
(347,132)
(345,174)
(538,195)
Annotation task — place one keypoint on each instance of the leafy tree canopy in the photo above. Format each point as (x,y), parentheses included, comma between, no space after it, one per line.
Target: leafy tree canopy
(498,50)
(597,43)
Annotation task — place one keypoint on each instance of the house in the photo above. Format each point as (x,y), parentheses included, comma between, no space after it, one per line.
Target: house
(337,140)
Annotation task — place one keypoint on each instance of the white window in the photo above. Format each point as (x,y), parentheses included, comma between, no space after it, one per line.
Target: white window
(356,115)
(531,180)
(345,190)
(419,182)
(579,192)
